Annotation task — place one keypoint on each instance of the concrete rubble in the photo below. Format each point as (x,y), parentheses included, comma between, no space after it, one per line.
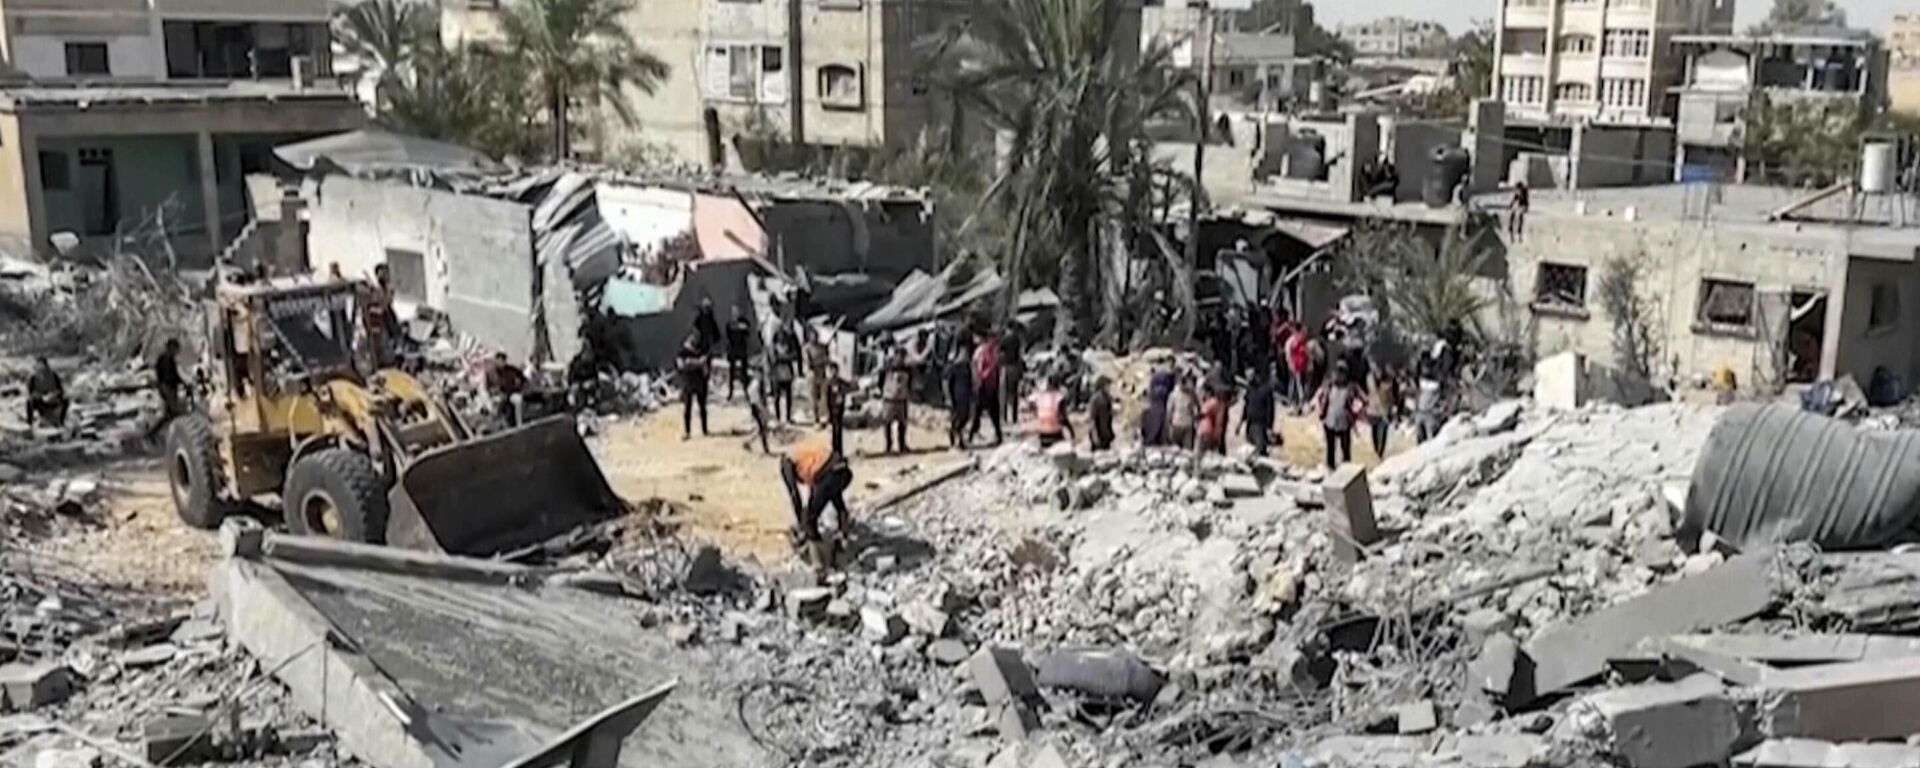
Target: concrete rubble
(1508,595)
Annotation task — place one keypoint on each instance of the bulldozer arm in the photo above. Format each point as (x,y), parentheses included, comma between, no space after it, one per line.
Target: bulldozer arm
(500,492)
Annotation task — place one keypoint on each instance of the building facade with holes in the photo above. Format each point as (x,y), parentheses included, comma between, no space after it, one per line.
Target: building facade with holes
(123,114)
(1604,61)
(750,76)
(1827,292)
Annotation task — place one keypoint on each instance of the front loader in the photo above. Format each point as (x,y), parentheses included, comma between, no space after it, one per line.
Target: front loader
(302,411)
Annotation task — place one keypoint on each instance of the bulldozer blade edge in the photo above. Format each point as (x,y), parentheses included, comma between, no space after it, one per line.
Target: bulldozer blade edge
(502,492)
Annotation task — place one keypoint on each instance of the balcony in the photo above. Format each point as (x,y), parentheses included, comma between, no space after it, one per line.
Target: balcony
(1523,64)
(1528,14)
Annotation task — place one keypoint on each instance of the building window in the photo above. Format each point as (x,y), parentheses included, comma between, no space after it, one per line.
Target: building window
(1725,305)
(1884,311)
(1523,89)
(55,176)
(747,73)
(1560,287)
(408,271)
(87,59)
(1623,92)
(840,86)
(1576,43)
(1573,92)
(1629,43)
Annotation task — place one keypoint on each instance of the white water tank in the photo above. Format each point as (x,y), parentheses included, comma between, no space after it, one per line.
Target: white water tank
(1876,168)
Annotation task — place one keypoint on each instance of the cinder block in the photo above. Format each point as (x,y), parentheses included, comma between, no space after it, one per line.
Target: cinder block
(1001,675)
(1350,511)
(1416,718)
(1670,725)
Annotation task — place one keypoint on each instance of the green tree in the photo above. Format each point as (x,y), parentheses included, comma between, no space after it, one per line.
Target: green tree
(1428,287)
(1802,143)
(385,37)
(1636,341)
(468,96)
(1787,14)
(1471,56)
(1053,76)
(577,52)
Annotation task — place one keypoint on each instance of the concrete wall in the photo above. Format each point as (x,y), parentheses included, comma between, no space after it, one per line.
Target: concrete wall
(478,252)
(1862,348)
(1678,256)
(16,221)
(1413,147)
(1618,157)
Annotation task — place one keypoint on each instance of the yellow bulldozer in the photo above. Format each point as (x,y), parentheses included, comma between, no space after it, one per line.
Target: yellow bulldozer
(305,407)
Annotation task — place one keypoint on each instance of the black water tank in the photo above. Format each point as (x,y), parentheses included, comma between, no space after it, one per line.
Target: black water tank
(1449,168)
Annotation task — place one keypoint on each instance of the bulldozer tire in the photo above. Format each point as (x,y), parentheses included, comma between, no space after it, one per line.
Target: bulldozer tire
(194,472)
(336,493)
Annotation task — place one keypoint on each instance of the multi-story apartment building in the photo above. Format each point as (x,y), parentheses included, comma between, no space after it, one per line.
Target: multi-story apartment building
(1599,61)
(111,110)
(1903,39)
(838,74)
(1724,73)
(1395,37)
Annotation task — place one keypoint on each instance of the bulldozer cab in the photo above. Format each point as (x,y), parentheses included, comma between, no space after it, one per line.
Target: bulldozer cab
(279,340)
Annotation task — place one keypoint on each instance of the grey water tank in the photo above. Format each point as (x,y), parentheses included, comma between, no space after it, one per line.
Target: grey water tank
(1449,167)
(1776,474)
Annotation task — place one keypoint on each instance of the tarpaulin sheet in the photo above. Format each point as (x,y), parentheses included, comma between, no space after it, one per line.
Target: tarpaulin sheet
(1776,474)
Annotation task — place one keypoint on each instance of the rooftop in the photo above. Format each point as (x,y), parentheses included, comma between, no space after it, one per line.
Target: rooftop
(1875,227)
(1843,37)
(83,96)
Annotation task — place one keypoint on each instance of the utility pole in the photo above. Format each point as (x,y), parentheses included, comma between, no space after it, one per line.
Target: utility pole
(1202,63)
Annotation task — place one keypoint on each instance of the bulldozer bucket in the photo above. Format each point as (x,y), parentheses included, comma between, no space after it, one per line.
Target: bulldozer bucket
(500,492)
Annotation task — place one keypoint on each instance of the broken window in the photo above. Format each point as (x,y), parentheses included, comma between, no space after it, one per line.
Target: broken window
(1560,286)
(840,86)
(87,59)
(408,272)
(747,72)
(1884,310)
(1726,303)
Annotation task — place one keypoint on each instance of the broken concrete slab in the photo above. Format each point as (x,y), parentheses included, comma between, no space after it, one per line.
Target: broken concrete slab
(947,653)
(178,739)
(1808,753)
(31,686)
(150,656)
(1569,654)
(924,617)
(1001,675)
(1503,670)
(1016,720)
(808,602)
(1240,485)
(1107,674)
(1350,512)
(1500,417)
(1669,725)
(1788,650)
(1858,701)
(881,627)
(1370,752)
(1672,659)
(1516,750)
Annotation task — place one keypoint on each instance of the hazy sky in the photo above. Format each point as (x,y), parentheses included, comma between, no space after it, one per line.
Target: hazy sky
(1458,14)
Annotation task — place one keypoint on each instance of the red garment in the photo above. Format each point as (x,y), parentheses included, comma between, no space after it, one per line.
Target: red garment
(1213,421)
(1297,358)
(1048,410)
(986,364)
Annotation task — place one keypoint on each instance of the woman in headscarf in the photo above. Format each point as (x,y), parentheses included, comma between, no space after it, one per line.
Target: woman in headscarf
(1153,421)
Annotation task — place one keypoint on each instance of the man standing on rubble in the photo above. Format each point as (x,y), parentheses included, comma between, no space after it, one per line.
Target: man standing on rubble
(960,397)
(1050,421)
(692,364)
(1340,405)
(896,388)
(986,384)
(508,385)
(171,386)
(818,464)
(1258,413)
(739,347)
(1100,414)
(46,396)
(1013,370)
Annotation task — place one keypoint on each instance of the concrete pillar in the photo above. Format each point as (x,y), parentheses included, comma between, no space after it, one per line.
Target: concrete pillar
(29,150)
(1350,512)
(209,190)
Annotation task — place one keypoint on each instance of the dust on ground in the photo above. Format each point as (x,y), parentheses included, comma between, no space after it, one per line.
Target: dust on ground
(140,542)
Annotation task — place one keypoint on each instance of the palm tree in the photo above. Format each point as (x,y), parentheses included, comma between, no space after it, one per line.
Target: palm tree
(1054,75)
(577,51)
(385,37)
(470,96)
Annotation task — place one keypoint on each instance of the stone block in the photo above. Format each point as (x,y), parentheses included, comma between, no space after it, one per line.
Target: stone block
(1518,750)
(879,626)
(1485,623)
(177,739)
(1808,753)
(150,656)
(242,537)
(1859,701)
(808,602)
(946,652)
(1560,381)
(1350,512)
(1669,725)
(31,686)
(1016,720)
(1240,485)
(1503,670)
(1001,675)
(1416,718)
(927,619)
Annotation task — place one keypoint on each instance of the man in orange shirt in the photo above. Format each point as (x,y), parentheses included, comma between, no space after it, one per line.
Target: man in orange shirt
(818,465)
(1050,421)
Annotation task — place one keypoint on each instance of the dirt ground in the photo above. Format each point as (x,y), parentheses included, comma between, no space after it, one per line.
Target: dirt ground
(730,492)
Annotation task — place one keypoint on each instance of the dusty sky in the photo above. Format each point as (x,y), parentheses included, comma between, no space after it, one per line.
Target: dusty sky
(1459,14)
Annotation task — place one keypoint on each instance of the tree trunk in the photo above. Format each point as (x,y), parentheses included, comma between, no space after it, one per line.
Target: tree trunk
(557,107)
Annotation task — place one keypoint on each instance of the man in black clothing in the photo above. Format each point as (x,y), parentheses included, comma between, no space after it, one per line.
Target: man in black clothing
(692,363)
(1259,411)
(739,346)
(46,396)
(706,325)
(960,398)
(1100,412)
(168,382)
